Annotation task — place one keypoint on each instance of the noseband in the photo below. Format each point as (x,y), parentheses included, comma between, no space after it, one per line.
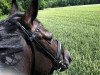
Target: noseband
(32,38)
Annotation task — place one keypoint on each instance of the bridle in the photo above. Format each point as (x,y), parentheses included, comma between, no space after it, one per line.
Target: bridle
(32,38)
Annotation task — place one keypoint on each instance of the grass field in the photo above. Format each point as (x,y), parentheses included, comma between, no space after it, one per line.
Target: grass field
(78,27)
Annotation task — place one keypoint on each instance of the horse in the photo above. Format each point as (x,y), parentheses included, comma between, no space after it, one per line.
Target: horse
(27,48)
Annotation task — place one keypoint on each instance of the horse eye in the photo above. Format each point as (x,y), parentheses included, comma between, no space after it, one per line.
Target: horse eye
(39,36)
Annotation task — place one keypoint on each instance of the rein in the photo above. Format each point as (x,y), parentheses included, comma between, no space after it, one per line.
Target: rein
(31,37)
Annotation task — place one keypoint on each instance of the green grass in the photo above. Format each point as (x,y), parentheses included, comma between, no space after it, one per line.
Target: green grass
(78,27)
(3,17)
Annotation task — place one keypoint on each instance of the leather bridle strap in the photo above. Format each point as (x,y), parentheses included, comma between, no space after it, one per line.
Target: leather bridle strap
(28,38)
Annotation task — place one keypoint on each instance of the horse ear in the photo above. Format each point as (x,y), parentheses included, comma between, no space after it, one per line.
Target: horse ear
(14,7)
(31,12)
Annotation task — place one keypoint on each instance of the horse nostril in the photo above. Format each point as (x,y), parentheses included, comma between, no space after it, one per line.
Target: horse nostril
(66,66)
(69,59)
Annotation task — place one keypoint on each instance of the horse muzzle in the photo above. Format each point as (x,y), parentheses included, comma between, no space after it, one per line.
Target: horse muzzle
(66,60)
(63,67)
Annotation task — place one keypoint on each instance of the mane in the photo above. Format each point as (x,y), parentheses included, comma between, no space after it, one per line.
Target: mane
(10,40)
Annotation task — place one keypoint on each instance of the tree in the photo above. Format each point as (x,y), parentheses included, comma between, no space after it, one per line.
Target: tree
(42,4)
